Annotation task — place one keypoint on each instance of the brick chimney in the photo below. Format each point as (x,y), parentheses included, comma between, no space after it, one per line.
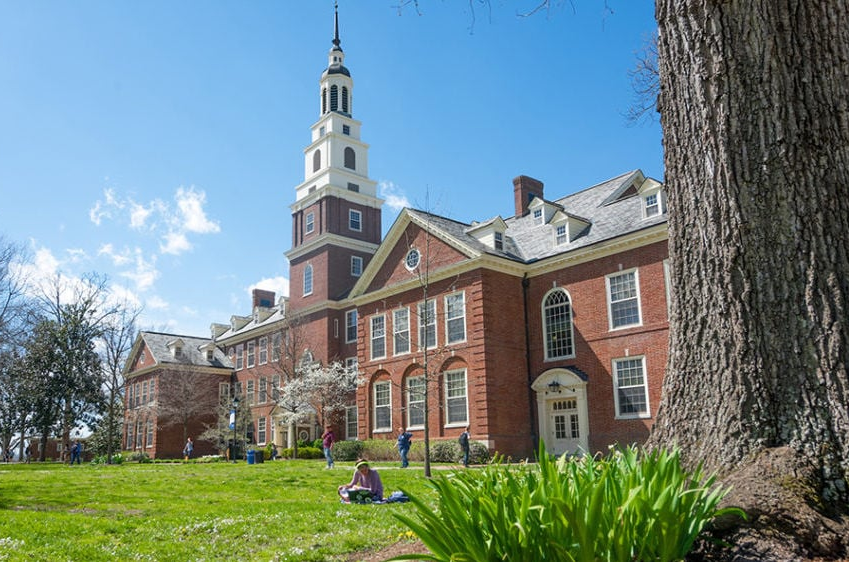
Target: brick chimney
(263,298)
(525,188)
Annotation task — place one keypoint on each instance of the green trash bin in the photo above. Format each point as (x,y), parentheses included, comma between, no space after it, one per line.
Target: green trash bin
(251,456)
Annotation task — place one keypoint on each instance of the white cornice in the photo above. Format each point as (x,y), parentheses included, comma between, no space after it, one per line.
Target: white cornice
(328,239)
(332,136)
(341,193)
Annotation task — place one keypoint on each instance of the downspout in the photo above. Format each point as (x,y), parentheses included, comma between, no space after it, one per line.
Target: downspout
(531,410)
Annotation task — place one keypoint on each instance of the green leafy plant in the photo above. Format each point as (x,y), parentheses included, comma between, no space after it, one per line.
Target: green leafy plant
(347,450)
(629,506)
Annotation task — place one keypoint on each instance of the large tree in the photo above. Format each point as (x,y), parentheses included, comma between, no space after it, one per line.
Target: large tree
(754,105)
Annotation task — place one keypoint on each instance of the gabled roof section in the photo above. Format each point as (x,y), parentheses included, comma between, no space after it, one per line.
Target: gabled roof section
(628,188)
(263,318)
(160,346)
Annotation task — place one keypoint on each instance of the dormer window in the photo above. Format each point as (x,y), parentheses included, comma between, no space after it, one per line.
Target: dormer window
(178,351)
(654,204)
(499,241)
(560,234)
(538,216)
(210,355)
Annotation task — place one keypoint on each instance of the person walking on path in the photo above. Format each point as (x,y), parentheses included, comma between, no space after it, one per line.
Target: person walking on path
(405,439)
(464,444)
(187,450)
(327,441)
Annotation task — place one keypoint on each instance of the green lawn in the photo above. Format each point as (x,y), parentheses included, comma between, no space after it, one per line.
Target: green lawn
(282,510)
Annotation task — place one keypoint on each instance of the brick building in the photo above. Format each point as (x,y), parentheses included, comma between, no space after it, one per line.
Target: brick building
(548,323)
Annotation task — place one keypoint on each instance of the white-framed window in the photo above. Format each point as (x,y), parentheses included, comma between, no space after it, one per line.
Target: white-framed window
(412,259)
(276,343)
(149,440)
(383,406)
(351,326)
(630,388)
(352,364)
(272,431)
(455,318)
(251,391)
(144,393)
(356,266)
(251,353)
(537,216)
(456,402)
(139,433)
(415,401)
(427,324)
(557,325)
(378,336)
(623,302)
(401,331)
(261,428)
(308,280)
(263,350)
(263,390)
(224,392)
(654,204)
(499,241)
(355,220)
(275,387)
(240,357)
(560,234)
(310,223)
(351,426)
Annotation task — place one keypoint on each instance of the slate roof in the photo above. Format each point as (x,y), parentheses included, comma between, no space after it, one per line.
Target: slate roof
(193,353)
(527,242)
(277,314)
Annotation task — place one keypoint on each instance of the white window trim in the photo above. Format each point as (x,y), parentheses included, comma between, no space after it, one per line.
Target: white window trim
(661,203)
(388,427)
(609,303)
(240,357)
(356,271)
(421,401)
(395,331)
(422,328)
(565,240)
(465,325)
(309,223)
(615,377)
(263,350)
(348,410)
(372,338)
(348,315)
(359,214)
(465,422)
(308,268)
(538,216)
(251,354)
(545,349)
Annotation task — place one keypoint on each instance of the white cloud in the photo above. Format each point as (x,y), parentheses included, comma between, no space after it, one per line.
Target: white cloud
(76,255)
(175,243)
(145,272)
(156,302)
(192,216)
(139,214)
(394,196)
(97,213)
(119,259)
(280,286)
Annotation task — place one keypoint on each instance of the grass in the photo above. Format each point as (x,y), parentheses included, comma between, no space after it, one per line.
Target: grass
(282,510)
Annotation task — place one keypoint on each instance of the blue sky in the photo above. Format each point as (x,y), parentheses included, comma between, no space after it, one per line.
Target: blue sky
(159,142)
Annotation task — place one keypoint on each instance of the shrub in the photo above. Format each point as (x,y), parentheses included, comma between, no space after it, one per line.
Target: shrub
(138,456)
(478,453)
(379,450)
(445,451)
(117,458)
(347,450)
(630,506)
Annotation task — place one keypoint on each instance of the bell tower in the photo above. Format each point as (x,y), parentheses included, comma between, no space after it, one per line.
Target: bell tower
(336,217)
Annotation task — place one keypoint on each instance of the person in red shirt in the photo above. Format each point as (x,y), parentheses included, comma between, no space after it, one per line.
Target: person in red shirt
(327,441)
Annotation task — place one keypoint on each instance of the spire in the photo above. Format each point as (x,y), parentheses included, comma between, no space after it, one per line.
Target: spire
(336,40)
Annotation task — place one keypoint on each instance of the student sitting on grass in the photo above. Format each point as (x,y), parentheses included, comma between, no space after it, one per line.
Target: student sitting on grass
(364,479)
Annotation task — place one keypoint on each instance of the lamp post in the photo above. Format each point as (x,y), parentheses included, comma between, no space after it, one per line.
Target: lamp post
(233,413)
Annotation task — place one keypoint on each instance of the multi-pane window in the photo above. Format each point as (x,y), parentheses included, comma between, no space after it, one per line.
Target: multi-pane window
(263,350)
(351,326)
(139,433)
(251,392)
(351,364)
(415,401)
(382,405)
(401,331)
(455,318)
(427,324)
(499,241)
(557,324)
(144,393)
(224,392)
(251,353)
(623,301)
(456,410)
(537,216)
(351,422)
(129,438)
(149,437)
(276,342)
(263,390)
(310,223)
(275,387)
(308,280)
(560,234)
(356,266)
(355,220)
(654,204)
(378,336)
(631,391)
(566,420)
(261,428)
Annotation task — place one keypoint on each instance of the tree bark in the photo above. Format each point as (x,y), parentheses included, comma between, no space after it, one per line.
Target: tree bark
(755,111)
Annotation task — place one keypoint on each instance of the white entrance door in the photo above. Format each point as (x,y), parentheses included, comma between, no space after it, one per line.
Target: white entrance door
(564,428)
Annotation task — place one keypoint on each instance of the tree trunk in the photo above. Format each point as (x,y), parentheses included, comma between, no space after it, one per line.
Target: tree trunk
(755,111)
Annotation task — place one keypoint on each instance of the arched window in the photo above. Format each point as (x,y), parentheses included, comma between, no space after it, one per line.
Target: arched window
(324,100)
(350,158)
(316,160)
(557,325)
(334,98)
(308,280)
(344,99)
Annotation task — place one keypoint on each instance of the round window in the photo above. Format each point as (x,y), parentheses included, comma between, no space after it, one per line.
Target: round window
(412,259)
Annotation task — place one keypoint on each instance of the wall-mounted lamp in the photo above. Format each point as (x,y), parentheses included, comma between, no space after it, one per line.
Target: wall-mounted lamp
(554,386)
